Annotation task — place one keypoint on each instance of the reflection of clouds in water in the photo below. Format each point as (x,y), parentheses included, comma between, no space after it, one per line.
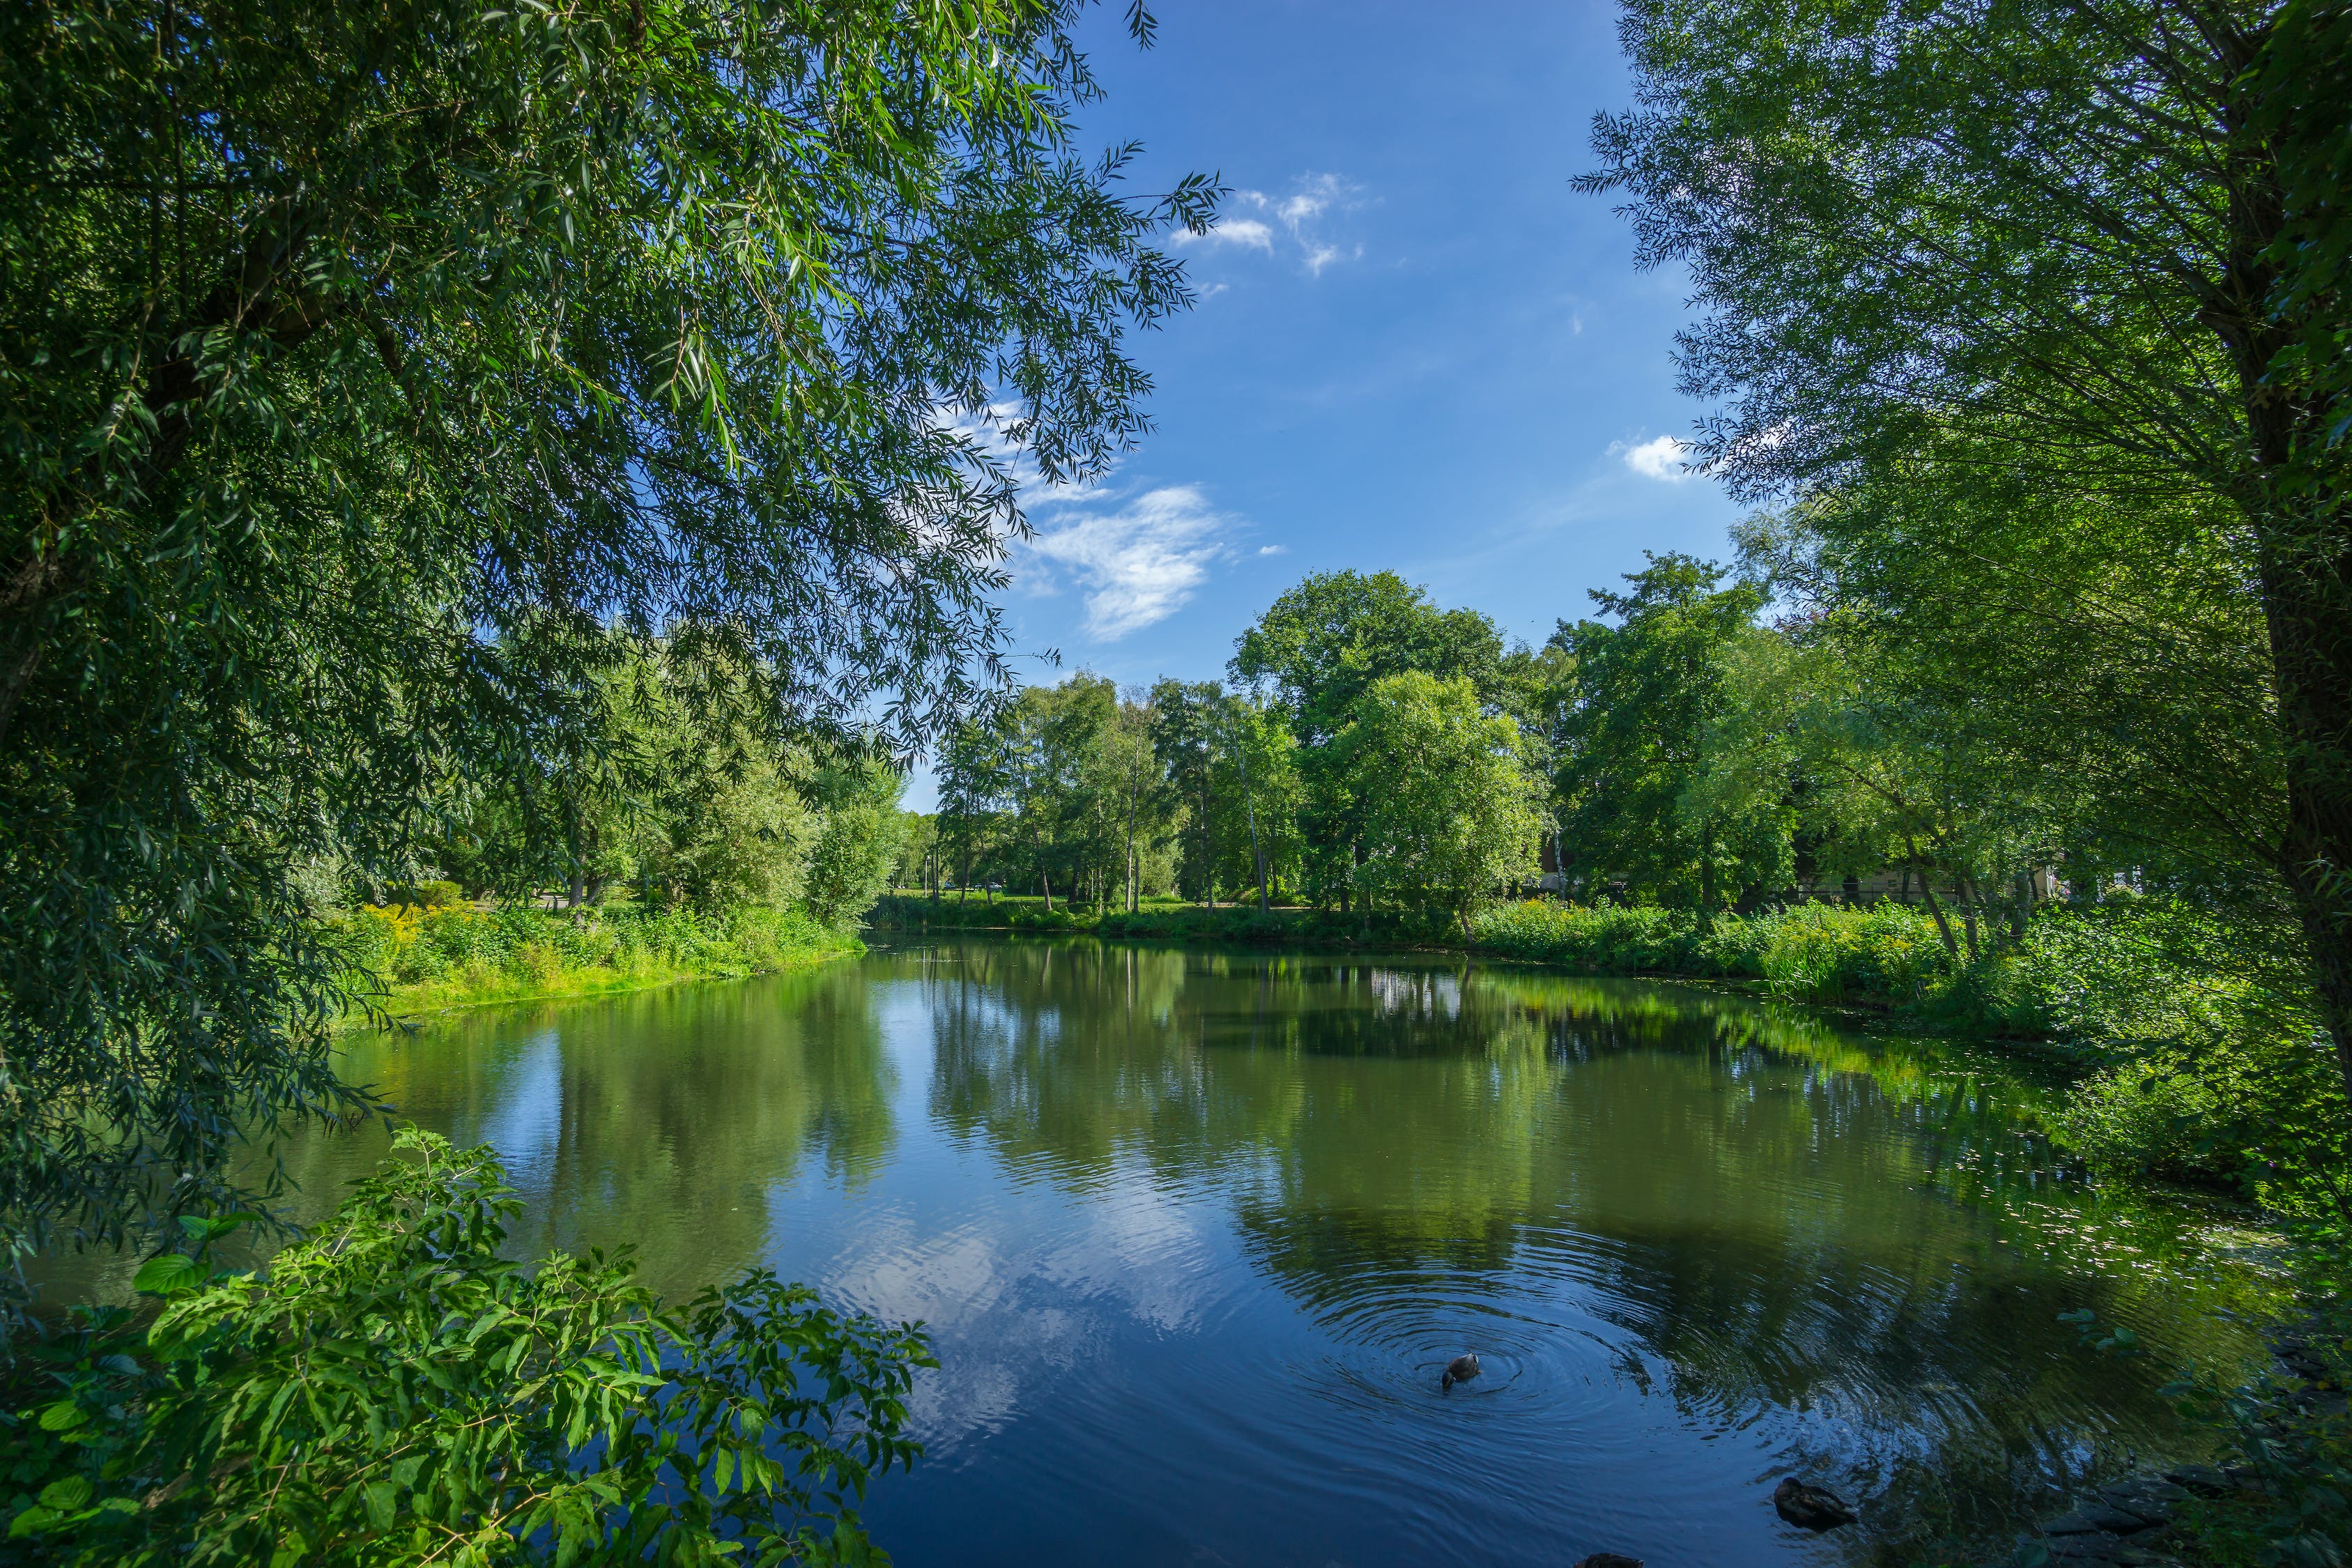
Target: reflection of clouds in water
(524,1120)
(947,1281)
(1137,1246)
(963,1285)
(1013,1303)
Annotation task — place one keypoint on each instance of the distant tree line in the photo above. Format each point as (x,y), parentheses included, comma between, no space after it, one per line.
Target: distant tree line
(1362,757)
(1685,747)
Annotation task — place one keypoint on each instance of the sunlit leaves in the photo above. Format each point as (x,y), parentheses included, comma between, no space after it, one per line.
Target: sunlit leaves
(396,1392)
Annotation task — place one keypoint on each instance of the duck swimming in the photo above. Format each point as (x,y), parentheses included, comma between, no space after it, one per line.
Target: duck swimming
(1461,1369)
(1810,1506)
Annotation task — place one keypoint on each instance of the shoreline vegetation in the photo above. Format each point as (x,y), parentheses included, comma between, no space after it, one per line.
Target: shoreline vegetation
(2181,1077)
(439,959)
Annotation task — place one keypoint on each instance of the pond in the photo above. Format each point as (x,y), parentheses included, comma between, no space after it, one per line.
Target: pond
(1195,1232)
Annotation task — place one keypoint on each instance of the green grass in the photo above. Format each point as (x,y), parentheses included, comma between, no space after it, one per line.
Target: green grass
(423,960)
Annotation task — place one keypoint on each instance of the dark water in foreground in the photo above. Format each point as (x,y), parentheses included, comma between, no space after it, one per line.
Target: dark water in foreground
(1195,1232)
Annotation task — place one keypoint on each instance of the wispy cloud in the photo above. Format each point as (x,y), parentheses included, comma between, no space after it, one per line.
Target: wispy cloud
(1660,458)
(1245,231)
(1297,225)
(1138,558)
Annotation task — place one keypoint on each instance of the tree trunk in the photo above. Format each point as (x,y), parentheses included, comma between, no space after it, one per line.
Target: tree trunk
(1928,886)
(1967,891)
(1208,844)
(1707,876)
(1046,882)
(2311,653)
(2297,500)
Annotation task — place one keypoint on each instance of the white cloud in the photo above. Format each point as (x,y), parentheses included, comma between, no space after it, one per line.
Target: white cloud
(1322,256)
(1138,564)
(1296,227)
(1246,231)
(1273,550)
(1661,458)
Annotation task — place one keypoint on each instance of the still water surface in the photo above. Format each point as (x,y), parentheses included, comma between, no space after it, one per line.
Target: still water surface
(1195,1232)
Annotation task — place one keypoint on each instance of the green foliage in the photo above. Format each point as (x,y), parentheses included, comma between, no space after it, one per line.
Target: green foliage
(1324,643)
(458,954)
(2212,1066)
(1230,768)
(1639,702)
(382,377)
(1059,795)
(2013,278)
(742,844)
(1317,650)
(1885,954)
(857,841)
(394,1391)
(1449,808)
(435,895)
(1188,721)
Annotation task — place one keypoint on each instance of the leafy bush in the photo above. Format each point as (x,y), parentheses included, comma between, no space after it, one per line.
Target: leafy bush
(850,860)
(435,895)
(396,1392)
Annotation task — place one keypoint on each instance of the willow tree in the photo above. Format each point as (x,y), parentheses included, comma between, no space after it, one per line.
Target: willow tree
(2103,237)
(365,363)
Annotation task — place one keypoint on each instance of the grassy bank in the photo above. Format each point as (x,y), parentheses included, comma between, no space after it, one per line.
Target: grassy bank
(426,960)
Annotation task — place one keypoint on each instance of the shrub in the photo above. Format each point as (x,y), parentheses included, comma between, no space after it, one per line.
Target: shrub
(434,895)
(1607,939)
(396,1392)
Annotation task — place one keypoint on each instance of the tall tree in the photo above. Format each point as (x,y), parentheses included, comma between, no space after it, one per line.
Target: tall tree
(1319,649)
(2104,237)
(1451,809)
(1644,694)
(367,362)
(1188,726)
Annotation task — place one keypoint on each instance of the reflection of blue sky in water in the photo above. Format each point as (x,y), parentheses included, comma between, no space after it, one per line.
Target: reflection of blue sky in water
(524,1116)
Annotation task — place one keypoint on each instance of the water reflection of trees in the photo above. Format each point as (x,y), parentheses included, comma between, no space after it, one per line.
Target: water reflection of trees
(668,1117)
(1782,1215)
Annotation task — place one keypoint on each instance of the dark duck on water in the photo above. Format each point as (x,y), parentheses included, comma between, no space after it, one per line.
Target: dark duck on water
(1811,1506)
(1461,1369)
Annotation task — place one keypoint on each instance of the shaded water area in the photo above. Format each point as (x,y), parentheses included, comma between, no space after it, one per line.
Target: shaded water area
(1195,1232)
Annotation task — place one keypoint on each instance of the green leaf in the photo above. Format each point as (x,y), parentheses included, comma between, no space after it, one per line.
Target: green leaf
(62,1416)
(166,1274)
(382,1504)
(67,1495)
(34,1520)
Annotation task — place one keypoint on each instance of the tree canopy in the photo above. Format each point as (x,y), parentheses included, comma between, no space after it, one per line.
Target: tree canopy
(2094,248)
(369,367)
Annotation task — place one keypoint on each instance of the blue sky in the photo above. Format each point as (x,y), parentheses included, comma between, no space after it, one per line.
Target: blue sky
(1417,348)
